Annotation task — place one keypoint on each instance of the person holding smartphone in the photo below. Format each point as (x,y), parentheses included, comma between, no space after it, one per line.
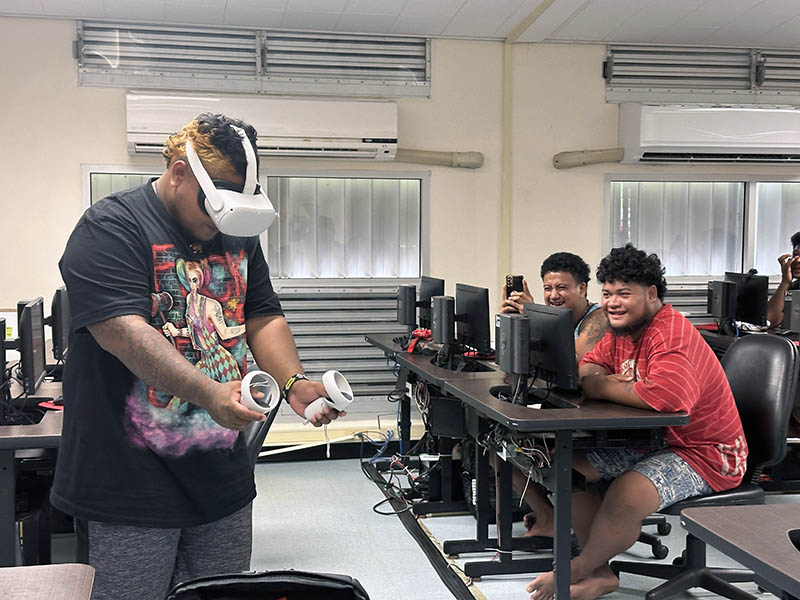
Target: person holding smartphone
(565,277)
(790,280)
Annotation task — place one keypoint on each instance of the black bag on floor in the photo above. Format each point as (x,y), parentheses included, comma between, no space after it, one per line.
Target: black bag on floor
(270,585)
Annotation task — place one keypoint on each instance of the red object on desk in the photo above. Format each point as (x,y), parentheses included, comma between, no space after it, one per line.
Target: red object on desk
(707,326)
(51,406)
(473,354)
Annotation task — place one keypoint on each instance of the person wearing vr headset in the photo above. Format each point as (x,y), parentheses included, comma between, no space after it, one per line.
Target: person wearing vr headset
(168,288)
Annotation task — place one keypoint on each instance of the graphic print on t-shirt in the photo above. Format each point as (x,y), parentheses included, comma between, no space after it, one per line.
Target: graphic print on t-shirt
(199,307)
(629,368)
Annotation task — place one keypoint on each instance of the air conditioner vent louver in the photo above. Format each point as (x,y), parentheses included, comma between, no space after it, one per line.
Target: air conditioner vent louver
(698,157)
(173,57)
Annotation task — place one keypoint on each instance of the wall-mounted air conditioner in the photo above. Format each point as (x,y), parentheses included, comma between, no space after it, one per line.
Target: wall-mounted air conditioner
(714,134)
(286,127)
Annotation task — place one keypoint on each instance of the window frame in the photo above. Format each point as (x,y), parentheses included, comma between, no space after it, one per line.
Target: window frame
(302,284)
(688,282)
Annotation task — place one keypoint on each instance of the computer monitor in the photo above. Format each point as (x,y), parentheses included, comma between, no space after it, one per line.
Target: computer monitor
(472,318)
(31,344)
(60,321)
(428,288)
(552,352)
(751,296)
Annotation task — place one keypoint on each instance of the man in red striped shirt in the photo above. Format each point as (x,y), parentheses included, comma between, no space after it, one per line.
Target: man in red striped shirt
(651,357)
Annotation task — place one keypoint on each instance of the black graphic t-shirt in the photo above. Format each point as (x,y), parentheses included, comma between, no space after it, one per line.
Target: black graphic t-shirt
(132,454)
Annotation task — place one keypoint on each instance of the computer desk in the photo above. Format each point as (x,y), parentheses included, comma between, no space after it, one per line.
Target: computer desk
(576,415)
(593,422)
(45,582)
(759,537)
(419,366)
(45,434)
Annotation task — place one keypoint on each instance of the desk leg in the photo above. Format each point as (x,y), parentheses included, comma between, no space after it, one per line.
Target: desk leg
(8,526)
(563,512)
(505,542)
(482,542)
(503,510)
(405,410)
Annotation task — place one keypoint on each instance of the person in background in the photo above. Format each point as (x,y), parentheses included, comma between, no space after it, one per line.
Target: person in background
(790,280)
(565,277)
(652,357)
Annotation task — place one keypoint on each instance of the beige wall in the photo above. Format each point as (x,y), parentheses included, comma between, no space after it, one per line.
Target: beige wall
(52,126)
(558,105)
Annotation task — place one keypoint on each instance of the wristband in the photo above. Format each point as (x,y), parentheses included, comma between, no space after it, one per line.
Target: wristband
(290,382)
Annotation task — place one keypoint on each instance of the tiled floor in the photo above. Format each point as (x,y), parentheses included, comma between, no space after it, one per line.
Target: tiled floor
(318,516)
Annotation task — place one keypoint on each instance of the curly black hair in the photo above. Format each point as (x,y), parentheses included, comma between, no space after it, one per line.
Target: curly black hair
(226,140)
(795,240)
(632,265)
(568,263)
(217,144)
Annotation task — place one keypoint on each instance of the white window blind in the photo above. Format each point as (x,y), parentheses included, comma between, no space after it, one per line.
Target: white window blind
(696,228)
(777,217)
(344,228)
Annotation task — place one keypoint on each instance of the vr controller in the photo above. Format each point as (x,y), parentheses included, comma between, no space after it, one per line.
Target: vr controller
(340,392)
(264,383)
(336,386)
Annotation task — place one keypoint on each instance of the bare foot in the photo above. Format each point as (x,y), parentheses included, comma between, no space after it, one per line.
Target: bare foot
(537,527)
(543,587)
(601,582)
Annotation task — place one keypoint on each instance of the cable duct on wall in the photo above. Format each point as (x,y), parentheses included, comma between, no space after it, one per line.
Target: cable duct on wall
(578,158)
(464,160)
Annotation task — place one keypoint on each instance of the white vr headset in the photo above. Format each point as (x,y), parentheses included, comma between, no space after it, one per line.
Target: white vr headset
(242,211)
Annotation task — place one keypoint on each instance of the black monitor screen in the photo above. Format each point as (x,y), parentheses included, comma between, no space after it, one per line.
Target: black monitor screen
(751,297)
(428,288)
(60,321)
(552,355)
(31,345)
(472,318)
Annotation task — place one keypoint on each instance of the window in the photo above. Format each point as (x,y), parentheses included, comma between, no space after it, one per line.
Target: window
(777,217)
(701,229)
(694,227)
(104,184)
(345,227)
(328,227)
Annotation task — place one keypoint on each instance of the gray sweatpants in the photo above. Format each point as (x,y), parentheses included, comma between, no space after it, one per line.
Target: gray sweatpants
(143,563)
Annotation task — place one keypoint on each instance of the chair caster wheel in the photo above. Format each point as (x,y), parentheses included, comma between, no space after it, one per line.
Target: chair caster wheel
(664,528)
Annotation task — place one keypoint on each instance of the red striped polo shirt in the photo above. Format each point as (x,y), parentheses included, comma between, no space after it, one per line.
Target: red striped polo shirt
(675,370)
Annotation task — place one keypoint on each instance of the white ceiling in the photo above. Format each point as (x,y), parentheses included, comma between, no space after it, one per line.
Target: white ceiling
(749,23)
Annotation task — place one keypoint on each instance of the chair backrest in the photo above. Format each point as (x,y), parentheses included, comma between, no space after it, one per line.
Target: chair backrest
(270,585)
(762,371)
(255,434)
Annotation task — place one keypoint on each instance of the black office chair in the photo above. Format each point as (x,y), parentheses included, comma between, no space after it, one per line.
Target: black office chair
(255,434)
(663,527)
(762,371)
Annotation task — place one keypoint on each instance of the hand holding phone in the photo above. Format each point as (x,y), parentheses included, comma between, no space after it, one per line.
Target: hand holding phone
(513,284)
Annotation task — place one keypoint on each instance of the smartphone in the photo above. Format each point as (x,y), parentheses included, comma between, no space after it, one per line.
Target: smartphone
(513,284)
